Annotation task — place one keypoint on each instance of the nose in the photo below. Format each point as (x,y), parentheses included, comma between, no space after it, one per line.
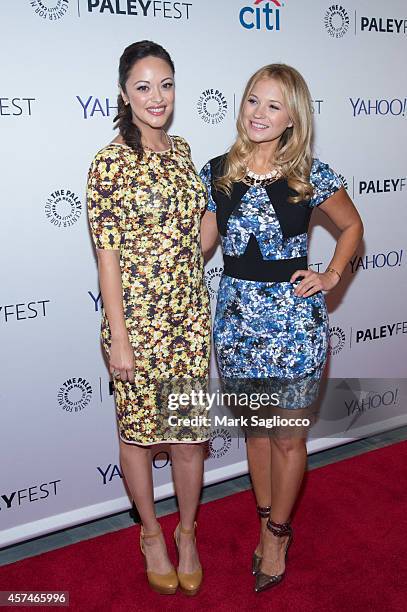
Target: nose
(157,94)
(259,111)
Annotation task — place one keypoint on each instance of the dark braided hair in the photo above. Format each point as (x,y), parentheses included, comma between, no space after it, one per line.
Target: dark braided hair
(123,120)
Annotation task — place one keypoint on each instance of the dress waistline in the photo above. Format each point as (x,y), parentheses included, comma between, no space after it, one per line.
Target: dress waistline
(267,271)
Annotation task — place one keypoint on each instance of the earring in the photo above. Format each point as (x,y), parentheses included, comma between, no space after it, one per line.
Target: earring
(126,103)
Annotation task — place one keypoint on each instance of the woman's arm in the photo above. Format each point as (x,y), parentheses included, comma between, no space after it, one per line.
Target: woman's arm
(209,228)
(341,210)
(209,235)
(104,203)
(121,352)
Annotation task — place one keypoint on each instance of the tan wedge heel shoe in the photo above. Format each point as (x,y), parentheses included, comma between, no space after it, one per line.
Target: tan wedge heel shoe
(188,583)
(166,584)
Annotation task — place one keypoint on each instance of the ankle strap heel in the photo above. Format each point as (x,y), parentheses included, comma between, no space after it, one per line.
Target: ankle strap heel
(265,581)
(188,583)
(263,512)
(166,584)
(279,529)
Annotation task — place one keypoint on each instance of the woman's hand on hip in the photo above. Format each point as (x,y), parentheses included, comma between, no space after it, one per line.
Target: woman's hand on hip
(312,282)
(121,361)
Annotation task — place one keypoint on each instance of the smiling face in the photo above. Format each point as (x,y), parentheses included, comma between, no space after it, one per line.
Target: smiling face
(150,92)
(264,114)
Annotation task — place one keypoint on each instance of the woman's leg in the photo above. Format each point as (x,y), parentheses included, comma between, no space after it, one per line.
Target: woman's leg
(259,459)
(187,469)
(136,466)
(289,458)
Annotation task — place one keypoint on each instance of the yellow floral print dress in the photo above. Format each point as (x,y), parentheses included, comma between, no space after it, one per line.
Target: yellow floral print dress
(150,210)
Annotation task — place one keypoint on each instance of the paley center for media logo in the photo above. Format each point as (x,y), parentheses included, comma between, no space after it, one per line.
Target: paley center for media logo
(75,394)
(337,21)
(212,278)
(63,208)
(51,10)
(212,106)
(261,15)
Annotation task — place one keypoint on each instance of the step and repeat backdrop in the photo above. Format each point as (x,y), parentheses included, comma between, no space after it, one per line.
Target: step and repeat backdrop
(58,91)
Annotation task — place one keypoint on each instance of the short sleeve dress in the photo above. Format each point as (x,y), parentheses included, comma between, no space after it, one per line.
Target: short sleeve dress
(262,330)
(150,211)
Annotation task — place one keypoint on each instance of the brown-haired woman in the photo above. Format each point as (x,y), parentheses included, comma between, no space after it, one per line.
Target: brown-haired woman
(271,321)
(145,204)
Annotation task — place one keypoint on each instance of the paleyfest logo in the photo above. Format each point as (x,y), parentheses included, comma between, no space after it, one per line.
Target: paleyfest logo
(50,9)
(261,15)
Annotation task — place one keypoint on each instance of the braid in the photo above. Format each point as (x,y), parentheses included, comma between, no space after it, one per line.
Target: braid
(128,130)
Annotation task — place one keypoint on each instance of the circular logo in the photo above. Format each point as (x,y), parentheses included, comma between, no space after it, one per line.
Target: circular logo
(212,106)
(336,340)
(161,460)
(343,181)
(74,395)
(220,443)
(63,208)
(336,21)
(212,277)
(50,9)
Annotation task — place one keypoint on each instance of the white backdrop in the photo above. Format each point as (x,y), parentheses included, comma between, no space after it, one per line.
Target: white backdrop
(59,444)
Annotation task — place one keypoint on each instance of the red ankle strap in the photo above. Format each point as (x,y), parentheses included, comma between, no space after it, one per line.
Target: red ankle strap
(279,529)
(263,511)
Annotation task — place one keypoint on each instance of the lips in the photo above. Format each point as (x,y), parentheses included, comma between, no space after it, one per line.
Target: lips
(157,111)
(258,126)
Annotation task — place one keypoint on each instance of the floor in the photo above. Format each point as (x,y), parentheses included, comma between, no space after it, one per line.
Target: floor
(125,519)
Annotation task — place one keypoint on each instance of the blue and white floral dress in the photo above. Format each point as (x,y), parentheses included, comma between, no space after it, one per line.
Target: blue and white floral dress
(261,329)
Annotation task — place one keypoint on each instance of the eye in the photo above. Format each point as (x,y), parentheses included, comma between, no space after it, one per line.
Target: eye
(142,88)
(251,100)
(274,107)
(168,85)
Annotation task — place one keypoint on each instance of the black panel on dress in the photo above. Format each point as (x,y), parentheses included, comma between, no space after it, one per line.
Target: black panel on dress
(293,218)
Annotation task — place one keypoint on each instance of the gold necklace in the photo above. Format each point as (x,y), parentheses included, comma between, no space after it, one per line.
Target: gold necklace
(254,179)
(169,141)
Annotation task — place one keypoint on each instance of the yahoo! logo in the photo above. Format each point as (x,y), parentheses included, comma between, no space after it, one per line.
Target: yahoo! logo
(371,107)
(99,107)
(262,17)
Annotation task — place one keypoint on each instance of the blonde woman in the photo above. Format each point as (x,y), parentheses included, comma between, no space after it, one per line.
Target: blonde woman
(271,321)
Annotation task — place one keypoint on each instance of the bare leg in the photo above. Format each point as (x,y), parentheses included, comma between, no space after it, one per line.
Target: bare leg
(289,458)
(259,458)
(136,465)
(187,468)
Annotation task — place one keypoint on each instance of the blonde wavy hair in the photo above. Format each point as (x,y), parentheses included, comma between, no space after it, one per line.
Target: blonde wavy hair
(293,156)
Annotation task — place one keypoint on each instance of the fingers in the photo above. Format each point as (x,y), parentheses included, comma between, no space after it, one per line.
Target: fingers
(124,373)
(310,284)
(298,273)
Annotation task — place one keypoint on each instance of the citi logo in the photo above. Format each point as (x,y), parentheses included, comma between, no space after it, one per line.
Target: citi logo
(264,17)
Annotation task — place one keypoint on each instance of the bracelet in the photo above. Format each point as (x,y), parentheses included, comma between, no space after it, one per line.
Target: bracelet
(333,270)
